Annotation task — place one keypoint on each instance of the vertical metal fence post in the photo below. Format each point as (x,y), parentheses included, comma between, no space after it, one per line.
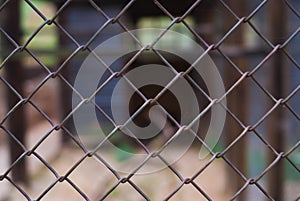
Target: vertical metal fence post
(65,91)
(276,131)
(15,76)
(237,101)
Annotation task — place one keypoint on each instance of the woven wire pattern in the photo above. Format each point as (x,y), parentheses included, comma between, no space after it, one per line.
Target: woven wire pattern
(216,47)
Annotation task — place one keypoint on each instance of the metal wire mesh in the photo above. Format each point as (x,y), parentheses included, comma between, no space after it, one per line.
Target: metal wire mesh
(276,46)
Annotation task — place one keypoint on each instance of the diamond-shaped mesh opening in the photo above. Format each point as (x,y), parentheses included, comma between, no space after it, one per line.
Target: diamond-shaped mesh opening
(255,49)
(291,135)
(55,162)
(43,51)
(290,70)
(212,14)
(215,189)
(233,147)
(37,110)
(93,21)
(95,189)
(262,26)
(36,165)
(164,179)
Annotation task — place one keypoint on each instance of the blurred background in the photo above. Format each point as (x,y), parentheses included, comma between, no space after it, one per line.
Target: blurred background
(255,46)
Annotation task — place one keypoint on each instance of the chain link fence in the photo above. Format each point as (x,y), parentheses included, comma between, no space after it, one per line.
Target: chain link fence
(255,46)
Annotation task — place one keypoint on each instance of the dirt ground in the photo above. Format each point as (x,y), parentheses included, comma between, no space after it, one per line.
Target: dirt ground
(95,180)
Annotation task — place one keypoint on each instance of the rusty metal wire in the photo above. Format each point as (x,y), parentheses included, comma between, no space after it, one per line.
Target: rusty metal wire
(211,47)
